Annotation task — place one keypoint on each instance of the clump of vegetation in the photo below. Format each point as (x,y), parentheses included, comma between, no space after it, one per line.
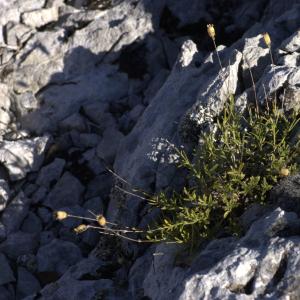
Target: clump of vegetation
(231,169)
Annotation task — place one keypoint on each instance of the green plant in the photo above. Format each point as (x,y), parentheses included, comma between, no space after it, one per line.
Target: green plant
(232,168)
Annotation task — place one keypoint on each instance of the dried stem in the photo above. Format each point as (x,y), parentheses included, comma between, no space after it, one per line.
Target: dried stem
(214,41)
(253,86)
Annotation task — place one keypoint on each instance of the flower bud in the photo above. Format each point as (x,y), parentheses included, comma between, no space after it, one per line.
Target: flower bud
(284,172)
(60,215)
(267,39)
(101,220)
(81,228)
(211,31)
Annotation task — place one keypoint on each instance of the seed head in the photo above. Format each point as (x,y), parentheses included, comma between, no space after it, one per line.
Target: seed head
(284,172)
(267,39)
(211,31)
(81,228)
(101,220)
(60,215)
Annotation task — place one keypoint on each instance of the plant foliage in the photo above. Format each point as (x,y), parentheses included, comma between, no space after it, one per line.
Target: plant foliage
(232,168)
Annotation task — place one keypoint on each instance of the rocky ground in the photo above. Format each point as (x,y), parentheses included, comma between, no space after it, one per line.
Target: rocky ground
(91,85)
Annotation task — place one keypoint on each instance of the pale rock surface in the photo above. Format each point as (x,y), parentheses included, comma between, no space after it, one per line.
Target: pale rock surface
(41,17)
(23,156)
(232,268)
(4,194)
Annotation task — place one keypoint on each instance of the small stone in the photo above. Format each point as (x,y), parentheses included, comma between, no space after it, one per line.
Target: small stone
(39,195)
(29,189)
(88,140)
(51,172)
(15,213)
(67,192)
(95,164)
(2,232)
(57,256)
(41,17)
(46,237)
(19,243)
(99,186)
(27,284)
(95,205)
(17,34)
(32,224)
(6,293)
(6,274)
(23,156)
(4,194)
(28,261)
(45,214)
(73,122)
(109,144)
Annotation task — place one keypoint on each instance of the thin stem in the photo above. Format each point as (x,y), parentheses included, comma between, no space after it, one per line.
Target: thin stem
(266,99)
(271,56)
(131,194)
(283,99)
(125,181)
(117,230)
(217,53)
(81,218)
(253,86)
(272,62)
(113,233)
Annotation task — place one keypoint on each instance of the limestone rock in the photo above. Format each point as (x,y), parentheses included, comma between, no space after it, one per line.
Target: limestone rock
(41,17)
(23,156)
(19,243)
(108,146)
(50,173)
(7,274)
(27,284)
(237,270)
(66,192)
(15,213)
(4,194)
(57,256)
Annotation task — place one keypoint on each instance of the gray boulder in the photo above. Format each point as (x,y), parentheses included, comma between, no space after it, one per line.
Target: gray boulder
(4,194)
(109,145)
(6,274)
(261,264)
(57,256)
(32,224)
(41,17)
(66,192)
(287,194)
(23,156)
(15,213)
(19,243)
(50,173)
(5,100)
(27,284)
